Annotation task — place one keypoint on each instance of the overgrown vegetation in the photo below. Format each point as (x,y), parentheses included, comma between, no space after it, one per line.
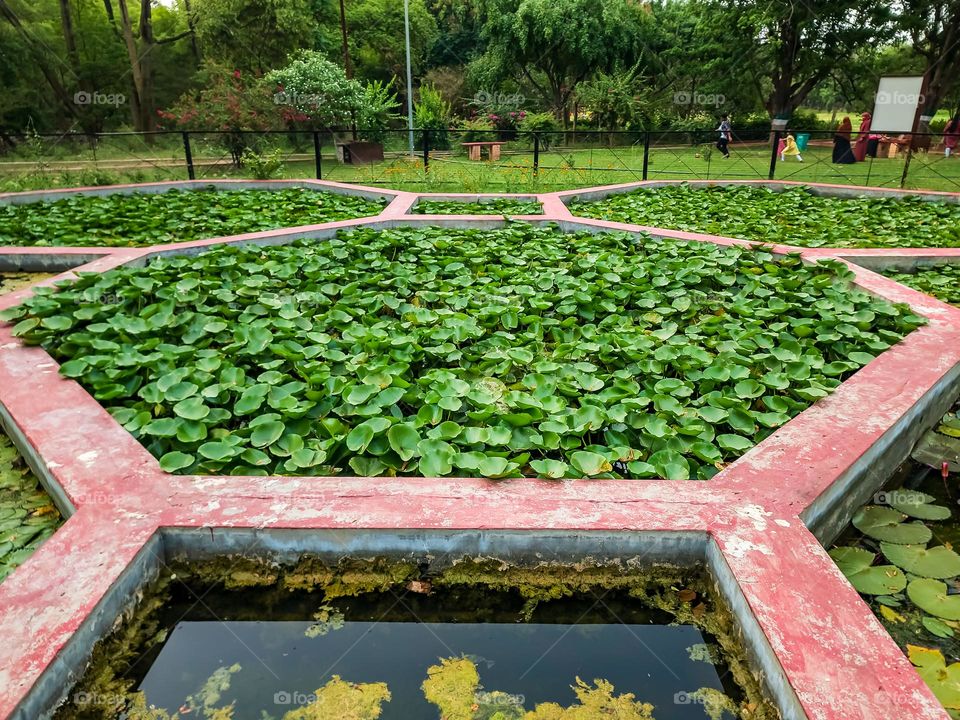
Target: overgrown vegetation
(793,217)
(449,352)
(27,515)
(495,206)
(175,216)
(940,281)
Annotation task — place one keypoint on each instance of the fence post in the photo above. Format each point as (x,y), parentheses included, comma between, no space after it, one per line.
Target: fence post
(536,154)
(646,153)
(426,149)
(316,155)
(189,156)
(773,155)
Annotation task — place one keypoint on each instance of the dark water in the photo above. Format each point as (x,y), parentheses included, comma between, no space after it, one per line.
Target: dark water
(394,639)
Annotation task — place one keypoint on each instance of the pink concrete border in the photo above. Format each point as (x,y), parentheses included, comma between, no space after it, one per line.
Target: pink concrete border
(836,657)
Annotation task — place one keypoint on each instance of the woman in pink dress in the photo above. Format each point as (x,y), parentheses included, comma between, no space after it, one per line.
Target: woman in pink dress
(951,135)
(860,147)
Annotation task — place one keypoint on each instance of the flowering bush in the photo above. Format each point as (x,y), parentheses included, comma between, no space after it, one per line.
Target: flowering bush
(231,102)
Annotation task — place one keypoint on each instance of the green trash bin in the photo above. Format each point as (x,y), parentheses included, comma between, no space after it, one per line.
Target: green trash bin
(802,140)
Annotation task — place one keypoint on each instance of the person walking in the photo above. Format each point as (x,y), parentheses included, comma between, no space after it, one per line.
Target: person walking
(788,146)
(726,135)
(842,154)
(951,135)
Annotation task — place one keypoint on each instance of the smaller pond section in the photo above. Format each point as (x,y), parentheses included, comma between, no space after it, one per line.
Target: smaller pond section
(27,514)
(900,556)
(368,640)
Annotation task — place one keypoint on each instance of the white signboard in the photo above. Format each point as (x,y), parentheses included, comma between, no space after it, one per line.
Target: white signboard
(896,104)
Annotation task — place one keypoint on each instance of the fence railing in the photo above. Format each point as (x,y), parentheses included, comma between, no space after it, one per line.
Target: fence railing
(467,160)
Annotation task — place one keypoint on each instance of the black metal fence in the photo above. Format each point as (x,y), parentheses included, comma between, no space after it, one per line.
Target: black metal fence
(468,160)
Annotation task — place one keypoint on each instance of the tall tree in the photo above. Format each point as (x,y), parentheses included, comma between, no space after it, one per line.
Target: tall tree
(934,30)
(554,46)
(792,45)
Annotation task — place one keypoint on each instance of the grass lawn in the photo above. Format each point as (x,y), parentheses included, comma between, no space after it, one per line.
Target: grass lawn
(560,169)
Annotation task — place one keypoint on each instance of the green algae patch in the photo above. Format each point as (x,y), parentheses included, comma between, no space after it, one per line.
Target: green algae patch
(13,281)
(27,514)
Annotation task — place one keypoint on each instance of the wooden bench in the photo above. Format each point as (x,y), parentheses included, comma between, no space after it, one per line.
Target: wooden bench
(474,149)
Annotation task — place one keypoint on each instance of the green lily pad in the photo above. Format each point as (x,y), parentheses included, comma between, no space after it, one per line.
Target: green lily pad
(935,562)
(887,524)
(868,579)
(931,596)
(916,504)
(937,627)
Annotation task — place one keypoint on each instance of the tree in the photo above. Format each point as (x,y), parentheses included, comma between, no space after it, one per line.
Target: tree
(377,38)
(934,30)
(794,44)
(256,35)
(317,88)
(141,44)
(555,45)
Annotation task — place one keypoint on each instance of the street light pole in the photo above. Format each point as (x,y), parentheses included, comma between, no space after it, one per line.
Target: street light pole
(406,26)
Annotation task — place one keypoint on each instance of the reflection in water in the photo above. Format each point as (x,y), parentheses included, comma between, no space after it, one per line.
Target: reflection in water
(336,669)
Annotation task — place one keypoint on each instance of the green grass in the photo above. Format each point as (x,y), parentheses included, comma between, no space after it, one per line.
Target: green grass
(560,169)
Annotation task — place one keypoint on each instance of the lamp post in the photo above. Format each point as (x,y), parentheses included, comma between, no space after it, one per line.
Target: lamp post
(406,27)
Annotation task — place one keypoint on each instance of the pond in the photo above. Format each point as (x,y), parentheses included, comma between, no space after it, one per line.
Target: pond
(426,648)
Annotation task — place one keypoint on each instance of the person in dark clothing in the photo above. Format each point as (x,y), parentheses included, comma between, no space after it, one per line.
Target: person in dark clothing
(726,133)
(842,153)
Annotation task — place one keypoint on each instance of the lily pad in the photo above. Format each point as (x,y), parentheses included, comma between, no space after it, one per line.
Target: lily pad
(882,523)
(857,565)
(935,562)
(931,596)
(942,679)
(917,504)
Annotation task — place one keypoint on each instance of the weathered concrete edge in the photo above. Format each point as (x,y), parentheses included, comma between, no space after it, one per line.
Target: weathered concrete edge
(828,515)
(36,463)
(58,678)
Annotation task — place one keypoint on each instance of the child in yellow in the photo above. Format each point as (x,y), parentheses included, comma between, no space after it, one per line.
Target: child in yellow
(789,147)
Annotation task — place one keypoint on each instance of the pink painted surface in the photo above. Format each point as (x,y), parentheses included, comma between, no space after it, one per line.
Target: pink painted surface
(836,656)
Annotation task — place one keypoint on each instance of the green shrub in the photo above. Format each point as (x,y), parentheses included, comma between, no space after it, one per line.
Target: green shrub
(432,113)
(544,125)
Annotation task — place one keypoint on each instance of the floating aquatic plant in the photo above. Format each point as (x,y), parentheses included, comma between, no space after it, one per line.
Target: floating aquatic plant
(448,352)
(794,216)
(137,219)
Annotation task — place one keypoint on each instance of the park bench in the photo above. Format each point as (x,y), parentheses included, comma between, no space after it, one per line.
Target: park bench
(473,148)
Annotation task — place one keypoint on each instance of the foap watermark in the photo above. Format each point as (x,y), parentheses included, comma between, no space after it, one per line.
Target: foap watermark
(698,98)
(895,97)
(296,697)
(687,698)
(102,700)
(295,99)
(500,100)
(95,97)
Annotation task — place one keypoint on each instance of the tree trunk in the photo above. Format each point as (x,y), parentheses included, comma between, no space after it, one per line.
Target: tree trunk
(191,25)
(148,44)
